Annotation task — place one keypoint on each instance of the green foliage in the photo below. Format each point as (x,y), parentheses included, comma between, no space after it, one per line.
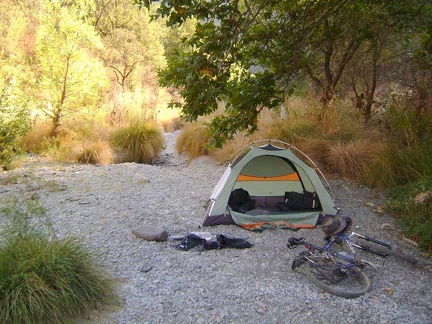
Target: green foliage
(14,122)
(292,132)
(406,204)
(399,166)
(70,78)
(141,142)
(408,157)
(406,128)
(250,56)
(42,279)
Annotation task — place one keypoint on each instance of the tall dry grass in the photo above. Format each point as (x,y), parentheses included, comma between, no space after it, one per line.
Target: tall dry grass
(141,142)
(95,152)
(352,159)
(37,140)
(193,141)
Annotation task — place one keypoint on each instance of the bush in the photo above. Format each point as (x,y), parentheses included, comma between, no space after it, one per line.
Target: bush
(42,279)
(396,166)
(14,122)
(140,142)
(406,205)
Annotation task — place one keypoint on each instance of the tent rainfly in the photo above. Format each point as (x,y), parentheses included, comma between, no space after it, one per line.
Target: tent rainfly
(271,175)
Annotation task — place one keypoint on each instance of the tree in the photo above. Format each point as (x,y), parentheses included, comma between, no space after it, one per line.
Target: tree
(14,80)
(249,54)
(130,40)
(70,77)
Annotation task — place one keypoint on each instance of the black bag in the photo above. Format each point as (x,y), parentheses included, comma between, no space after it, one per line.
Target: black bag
(240,201)
(232,242)
(297,201)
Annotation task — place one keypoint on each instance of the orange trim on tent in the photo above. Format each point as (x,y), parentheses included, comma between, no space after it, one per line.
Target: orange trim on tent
(286,177)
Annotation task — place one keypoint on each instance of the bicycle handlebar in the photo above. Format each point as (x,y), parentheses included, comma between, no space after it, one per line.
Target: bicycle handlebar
(293,242)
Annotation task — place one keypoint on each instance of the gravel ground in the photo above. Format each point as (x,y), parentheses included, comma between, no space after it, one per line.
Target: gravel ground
(101,205)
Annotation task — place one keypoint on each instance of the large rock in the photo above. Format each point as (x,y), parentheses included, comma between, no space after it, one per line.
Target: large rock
(151,233)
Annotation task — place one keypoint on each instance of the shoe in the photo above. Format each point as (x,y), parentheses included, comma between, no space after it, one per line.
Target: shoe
(228,242)
(191,241)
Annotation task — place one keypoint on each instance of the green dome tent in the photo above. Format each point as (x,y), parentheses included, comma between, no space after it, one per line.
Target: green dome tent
(271,175)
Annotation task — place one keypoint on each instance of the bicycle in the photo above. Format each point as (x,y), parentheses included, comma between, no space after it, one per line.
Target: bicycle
(340,272)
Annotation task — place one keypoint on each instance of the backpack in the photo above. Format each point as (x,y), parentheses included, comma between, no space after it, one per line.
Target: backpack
(297,201)
(240,201)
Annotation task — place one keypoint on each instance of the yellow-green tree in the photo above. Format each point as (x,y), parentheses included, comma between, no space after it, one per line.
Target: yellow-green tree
(15,79)
(131,41)
(71,79)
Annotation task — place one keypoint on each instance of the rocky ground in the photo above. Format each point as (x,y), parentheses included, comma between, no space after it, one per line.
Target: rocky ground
(159,284)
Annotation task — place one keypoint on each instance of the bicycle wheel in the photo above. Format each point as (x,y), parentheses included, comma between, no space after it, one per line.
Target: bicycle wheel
(384,251)
(332,278)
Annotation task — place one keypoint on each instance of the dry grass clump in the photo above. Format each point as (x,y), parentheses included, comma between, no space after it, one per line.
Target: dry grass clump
(318,150)
(37,140)
(140,142)
(95,152)
(352,159)
(193,141)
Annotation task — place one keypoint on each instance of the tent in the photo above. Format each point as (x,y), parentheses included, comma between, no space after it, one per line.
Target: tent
(269,173)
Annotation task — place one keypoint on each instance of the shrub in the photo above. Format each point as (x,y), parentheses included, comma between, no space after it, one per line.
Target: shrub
(414,213)
(42,279)
(14,122)
(396,166)
(140,142)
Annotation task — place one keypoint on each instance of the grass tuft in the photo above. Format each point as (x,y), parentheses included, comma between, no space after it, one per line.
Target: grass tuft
(38,139)
(140,142)
(352,159)
(193,141)
(397,166)
(98,152)
(42,279)
(414,213)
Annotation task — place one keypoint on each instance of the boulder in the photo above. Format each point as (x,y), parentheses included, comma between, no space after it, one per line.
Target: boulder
(151,233)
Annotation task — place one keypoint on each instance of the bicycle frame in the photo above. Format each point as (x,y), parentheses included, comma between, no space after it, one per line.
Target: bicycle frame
(352,259)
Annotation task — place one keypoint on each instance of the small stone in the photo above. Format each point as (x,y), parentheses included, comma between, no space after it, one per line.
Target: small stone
(423,197)
(150,233)
(145,268)
(387,227)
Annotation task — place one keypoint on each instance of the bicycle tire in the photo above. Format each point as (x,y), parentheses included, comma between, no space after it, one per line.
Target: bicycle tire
(386,251)
(352,285)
